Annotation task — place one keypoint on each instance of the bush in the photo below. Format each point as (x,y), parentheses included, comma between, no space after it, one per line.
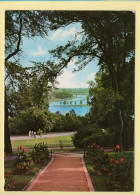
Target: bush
(117,171)
(40,153)
(22,164)
(66,123)
(39,132)
(9,182)
(92,133)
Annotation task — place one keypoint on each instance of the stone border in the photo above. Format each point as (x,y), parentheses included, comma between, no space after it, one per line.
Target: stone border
(90,185)
(36,177)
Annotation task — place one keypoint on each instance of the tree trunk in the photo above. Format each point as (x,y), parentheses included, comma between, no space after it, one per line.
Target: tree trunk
(7,141)
(118,106)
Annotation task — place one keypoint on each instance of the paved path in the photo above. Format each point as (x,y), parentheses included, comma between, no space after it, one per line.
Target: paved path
(43,136)
(63,174)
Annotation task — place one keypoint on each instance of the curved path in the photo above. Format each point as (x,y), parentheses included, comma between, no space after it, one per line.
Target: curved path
(63,174)
(43,136)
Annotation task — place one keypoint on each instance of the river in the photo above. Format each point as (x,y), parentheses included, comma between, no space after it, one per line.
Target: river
(78,103)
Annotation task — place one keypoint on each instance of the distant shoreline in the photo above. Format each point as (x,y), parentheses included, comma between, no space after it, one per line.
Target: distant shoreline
(84,105)
(58,100)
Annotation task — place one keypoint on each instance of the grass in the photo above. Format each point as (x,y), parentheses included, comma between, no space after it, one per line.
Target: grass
(23,180)
(98,180)
(51,141)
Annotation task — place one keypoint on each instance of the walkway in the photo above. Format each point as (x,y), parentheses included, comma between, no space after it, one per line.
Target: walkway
(43,136)
(63,174)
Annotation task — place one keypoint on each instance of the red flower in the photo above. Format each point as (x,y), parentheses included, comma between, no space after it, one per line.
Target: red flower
(26,151)
(122,159)
(111,160)
(98,146)
(102,149)
(91,146)
(13,186)
(117,147)
(117,162)
(94,144)
(23,148)
(20,147)
(105,169)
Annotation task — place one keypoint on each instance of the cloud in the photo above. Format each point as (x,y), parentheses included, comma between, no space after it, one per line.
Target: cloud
(60,33)
(66,80)
(72,62)
(40,52)
(91,76)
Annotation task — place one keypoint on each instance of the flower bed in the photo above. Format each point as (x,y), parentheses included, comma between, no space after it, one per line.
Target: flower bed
(23,168)
(115,171)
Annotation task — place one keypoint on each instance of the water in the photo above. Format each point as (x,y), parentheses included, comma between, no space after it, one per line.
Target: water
(70,104)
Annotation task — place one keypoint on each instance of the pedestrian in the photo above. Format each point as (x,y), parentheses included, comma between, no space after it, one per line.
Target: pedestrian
(32,134)
(35,134)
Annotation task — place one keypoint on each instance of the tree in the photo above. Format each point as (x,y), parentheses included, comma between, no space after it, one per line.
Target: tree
(107,36)
(19,24)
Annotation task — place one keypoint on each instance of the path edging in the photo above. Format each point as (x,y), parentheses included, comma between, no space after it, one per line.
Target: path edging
(35,178)
(89,182)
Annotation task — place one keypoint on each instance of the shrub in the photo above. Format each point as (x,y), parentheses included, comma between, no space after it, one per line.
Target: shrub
(88,134)
(9,182)
(22,164)
(119,175)
(40,153)
(39,132)
(23,167)
(22,155)
(117,171)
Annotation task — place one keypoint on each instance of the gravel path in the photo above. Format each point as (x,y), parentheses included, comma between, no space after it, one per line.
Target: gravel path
(43,136)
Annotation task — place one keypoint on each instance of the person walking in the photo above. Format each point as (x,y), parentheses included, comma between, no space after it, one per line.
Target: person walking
(32,134)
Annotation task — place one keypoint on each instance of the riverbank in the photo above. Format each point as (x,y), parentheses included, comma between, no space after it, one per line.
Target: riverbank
(71,105)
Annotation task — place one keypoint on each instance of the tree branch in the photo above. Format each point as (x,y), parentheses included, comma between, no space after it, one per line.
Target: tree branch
(18,43)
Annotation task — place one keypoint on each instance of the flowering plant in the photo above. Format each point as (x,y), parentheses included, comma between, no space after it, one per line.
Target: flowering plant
(22,164)
(22,155)
(40,153)
(9,182)
(96,153)
(23,167)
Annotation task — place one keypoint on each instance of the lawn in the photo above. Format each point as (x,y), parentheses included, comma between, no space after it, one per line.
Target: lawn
(98,180)
(51,141)
(22,179)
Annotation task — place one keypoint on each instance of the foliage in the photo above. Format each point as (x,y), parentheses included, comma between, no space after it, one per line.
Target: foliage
(63,95)
(9,182)
(108,37)
(117,171)
(88,134)
(33,119)
(19,25)
(66,123)
(40,153)
(103,102)
(23,167)
(22,155)
(39,132)
(22,164)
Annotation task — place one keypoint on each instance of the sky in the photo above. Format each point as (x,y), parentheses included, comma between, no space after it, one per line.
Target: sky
(37,50)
